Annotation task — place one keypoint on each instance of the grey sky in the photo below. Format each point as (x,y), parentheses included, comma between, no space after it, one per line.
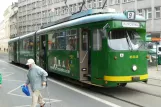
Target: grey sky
(3,6)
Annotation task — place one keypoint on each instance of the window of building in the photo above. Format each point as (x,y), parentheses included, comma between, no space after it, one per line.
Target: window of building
(157,12)
(65,10)
(149,13)
(117,1)
(57,1)
(99,3)
(89,4)
(49,2)
(97,39)
(94,4)
(49,15)
(56,12)
(38,15)
(79,6)
(140,12)
(44,2)
(70,8)
(74,8)
(125,1)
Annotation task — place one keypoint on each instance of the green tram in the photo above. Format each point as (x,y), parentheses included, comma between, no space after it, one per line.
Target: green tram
(96,47)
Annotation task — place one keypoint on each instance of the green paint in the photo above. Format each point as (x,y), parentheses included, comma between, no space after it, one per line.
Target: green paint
(0,78)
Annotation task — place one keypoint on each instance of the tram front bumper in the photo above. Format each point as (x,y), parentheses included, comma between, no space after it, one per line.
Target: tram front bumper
(133,78)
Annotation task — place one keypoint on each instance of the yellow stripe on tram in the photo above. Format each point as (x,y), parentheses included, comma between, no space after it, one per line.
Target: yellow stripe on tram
(124,78)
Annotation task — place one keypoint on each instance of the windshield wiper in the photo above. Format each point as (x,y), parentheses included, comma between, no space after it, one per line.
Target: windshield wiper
(127,38)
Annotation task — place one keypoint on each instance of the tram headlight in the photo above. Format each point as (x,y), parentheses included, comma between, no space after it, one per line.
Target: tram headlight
(134,67)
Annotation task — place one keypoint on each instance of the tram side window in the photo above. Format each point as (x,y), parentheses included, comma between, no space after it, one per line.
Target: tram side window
(51,41)
(28,44)
(97,39)
(31,44)
(85,41)
(37,43)
(71,39)
(10,47)
(60,40)
(21,45)
(159,49)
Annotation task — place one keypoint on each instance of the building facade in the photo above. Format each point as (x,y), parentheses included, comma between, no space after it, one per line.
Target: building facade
(150,9)
(35,13)
(6,28)
(2,35)
(32,14)
(13,20)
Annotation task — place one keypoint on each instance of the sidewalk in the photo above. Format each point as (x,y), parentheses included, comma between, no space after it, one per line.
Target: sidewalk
(154,73)
(3,51)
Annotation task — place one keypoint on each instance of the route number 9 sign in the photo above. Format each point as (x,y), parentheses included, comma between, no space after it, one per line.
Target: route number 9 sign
(131,15)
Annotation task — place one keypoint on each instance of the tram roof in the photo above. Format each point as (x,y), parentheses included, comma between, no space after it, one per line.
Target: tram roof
(80,14)
(89,18)
(14,39)
(27,35)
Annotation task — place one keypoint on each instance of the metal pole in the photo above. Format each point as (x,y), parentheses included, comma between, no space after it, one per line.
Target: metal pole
(47,90)
(157,56)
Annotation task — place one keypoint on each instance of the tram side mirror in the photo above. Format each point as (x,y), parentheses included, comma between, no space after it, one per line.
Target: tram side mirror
(104,33)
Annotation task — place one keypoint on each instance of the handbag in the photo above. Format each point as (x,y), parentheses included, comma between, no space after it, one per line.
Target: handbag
(25,90)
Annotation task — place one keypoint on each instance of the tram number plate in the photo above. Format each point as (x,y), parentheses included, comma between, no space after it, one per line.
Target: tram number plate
(135,78)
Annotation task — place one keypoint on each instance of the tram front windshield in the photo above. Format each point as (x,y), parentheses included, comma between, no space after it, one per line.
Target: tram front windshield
(125,40)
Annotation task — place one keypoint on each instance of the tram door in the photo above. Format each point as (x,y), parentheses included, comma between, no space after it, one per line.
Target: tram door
(42,51)
(15,50)
(84,57)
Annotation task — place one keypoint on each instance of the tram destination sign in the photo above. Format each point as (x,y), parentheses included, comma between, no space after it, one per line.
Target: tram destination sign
(131,24)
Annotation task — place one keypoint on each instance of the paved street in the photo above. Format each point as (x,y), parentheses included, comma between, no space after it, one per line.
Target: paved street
(61,94)
(65,94)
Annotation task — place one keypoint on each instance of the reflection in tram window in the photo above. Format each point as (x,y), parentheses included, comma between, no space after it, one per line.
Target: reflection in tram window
(60,39)
(85,41)
(28,44)
(37,43)
(71,39)
(97,39)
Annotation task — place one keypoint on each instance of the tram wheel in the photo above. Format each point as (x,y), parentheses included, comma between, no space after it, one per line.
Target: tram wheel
(122,84)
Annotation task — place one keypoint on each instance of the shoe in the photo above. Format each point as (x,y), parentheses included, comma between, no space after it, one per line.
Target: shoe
(43,105)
